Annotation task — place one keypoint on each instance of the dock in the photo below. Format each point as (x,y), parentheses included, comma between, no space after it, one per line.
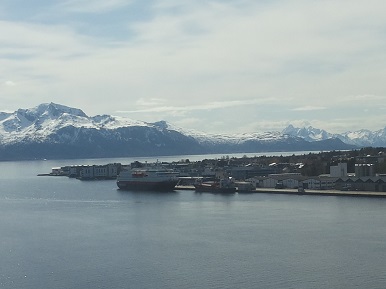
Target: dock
(323,193)
(368,194)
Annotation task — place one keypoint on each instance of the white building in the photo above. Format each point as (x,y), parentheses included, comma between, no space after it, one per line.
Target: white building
(108,171)
(290,181)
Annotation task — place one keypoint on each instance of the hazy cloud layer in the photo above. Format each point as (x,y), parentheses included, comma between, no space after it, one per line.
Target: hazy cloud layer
(217,66)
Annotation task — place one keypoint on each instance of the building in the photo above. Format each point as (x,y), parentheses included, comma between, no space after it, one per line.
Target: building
(294,181)
(338,171)
(374,184)
(319,183)
(364,170)
(249,171)
(290,181)
(85,172)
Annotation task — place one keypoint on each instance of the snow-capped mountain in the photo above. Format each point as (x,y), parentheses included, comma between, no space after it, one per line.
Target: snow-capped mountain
(39,123)
(56,131)
(365,137)
(360,138)
(213,139)
(308,133)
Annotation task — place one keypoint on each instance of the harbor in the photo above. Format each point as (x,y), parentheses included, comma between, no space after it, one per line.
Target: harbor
(238,175)
(69,224)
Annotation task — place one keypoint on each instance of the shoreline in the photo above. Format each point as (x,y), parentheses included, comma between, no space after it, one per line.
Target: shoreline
(369,194)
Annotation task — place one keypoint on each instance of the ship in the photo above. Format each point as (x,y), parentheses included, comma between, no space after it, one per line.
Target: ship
(245,187)
(152,179)
(221,186)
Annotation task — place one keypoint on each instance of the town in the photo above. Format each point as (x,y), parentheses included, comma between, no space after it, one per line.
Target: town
(356,170)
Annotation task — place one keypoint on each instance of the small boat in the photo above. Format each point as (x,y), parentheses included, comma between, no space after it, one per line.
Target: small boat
(155,179)
(222,186)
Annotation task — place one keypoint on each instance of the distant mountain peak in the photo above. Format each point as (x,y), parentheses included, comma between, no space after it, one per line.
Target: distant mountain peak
(46,111)
(308,133)
(56,110)
(161,124)
(362,137)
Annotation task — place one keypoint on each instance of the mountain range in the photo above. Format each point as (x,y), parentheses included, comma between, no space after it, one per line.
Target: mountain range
(360,138)
(54,131)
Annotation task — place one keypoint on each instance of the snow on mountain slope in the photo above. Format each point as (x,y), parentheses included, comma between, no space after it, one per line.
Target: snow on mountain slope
(37,123)
(360,138)
(53,110)
(365,137)
(59,123)
(55,131)
(238,138)
(308,133)
(113,122)
(4,115)
(207,138)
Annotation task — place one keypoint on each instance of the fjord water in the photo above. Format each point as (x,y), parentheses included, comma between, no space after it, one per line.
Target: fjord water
(57,232)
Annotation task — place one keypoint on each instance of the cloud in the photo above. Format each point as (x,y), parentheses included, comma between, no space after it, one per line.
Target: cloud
(366,97)
(202,107)
(9,83)
(149,102)
(309,108)
(93,6)
(242,62)
(187,122)
(26,41)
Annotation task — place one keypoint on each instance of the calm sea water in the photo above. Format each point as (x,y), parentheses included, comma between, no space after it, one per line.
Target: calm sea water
(57,232)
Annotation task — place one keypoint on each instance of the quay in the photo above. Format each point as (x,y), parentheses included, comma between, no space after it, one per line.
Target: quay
(249,178)
(323,193)
(305,192)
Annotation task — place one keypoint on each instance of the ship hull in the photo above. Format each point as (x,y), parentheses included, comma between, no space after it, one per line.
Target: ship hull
(147,186)
(215,190)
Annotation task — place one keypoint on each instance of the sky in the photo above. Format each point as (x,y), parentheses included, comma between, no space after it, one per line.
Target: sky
(229,66)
